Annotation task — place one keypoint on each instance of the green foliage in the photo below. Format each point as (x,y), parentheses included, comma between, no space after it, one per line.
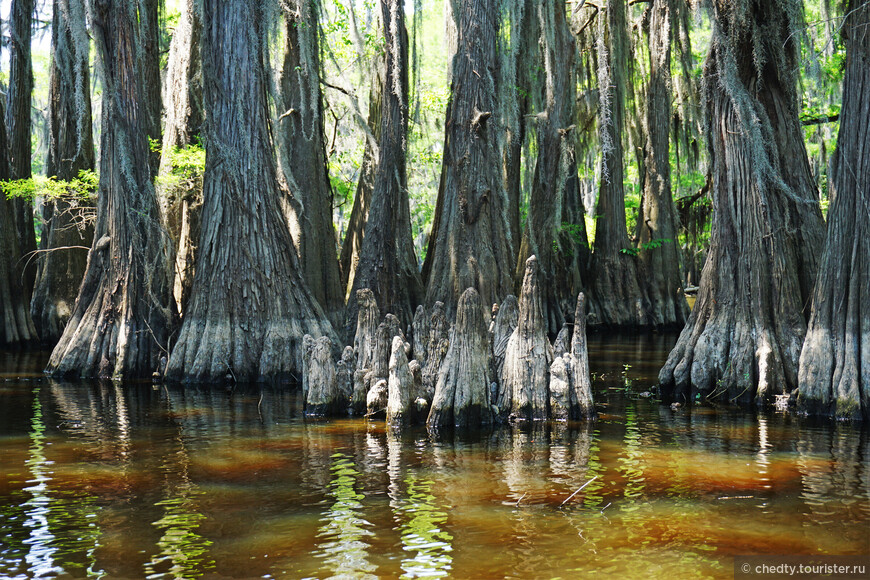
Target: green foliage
(188,167)
(647,246)
(83,188)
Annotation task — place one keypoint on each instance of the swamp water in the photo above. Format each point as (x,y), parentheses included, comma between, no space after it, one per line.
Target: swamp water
(129,481)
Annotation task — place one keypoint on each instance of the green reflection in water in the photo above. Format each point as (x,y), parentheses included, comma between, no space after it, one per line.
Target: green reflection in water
(63,531)
(593,494)
(631,460)
(422,533)
(183,552)
(344,551)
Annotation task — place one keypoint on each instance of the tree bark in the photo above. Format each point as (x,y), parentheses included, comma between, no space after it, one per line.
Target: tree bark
(18,101)
(743,339)
(249,306)
(525,376)
(359,214)
(324,398)
(462,392)
(502,329)
(70,150)
(834,376)
(302,158)
(657,222)
(436,350)
(387,264)
(122,318)
(400,385)
(555,172)
(149,30)
(182,101)
(570,381)
(471,242)
(615,295)
(16,326)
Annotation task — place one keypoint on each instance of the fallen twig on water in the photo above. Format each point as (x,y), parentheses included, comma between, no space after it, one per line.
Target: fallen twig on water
(578,491)
(521,499)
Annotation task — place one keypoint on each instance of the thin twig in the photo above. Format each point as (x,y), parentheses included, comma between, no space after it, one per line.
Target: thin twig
(578,491)
(521,499)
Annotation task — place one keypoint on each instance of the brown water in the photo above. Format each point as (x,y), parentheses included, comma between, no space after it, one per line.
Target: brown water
(127,480)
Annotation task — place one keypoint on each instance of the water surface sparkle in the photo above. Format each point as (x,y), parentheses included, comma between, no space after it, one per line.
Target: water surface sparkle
(100,479)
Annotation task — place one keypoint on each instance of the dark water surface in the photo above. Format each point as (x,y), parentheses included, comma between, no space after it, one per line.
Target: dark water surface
(128,480)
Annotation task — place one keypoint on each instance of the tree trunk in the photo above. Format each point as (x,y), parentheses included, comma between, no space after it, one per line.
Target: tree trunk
(249,306)
(149,30)
(657,222)
(302,158)
(570,381)
(182,101)
(18,101)
(471,241)
(834,377)
(525,376)
(436,349)
(324,398)
(502,329)
(462,392)
(615,296)
(400,385)
(387,263)
(555,171)
(16,325)
(743,339)
(70,150)
(359,214)
(121,321)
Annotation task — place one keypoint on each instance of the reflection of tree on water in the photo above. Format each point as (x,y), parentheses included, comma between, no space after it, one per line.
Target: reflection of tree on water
(183,552)
(418,517)
(834,464)
(342,547)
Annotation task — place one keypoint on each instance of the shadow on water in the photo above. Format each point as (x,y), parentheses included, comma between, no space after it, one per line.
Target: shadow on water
(111,479)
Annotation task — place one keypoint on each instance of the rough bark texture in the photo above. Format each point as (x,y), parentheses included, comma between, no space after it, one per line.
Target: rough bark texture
(377,398)
(400,385)
(364,345)
(570,381)
(657,222)
(503,327)
(743,339)
(387,264)
(302,158)
(524,387)
(555,171)
(420,329)
(66,234)
(18,101)
(462,392)
(615,296)
(149,31)
(249,306)
(182,102)
(16,325)
(834,377)
(471,238)
(439,342)
(324,398)
(344,370)
(387,330)
(123,314)
(362,200)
